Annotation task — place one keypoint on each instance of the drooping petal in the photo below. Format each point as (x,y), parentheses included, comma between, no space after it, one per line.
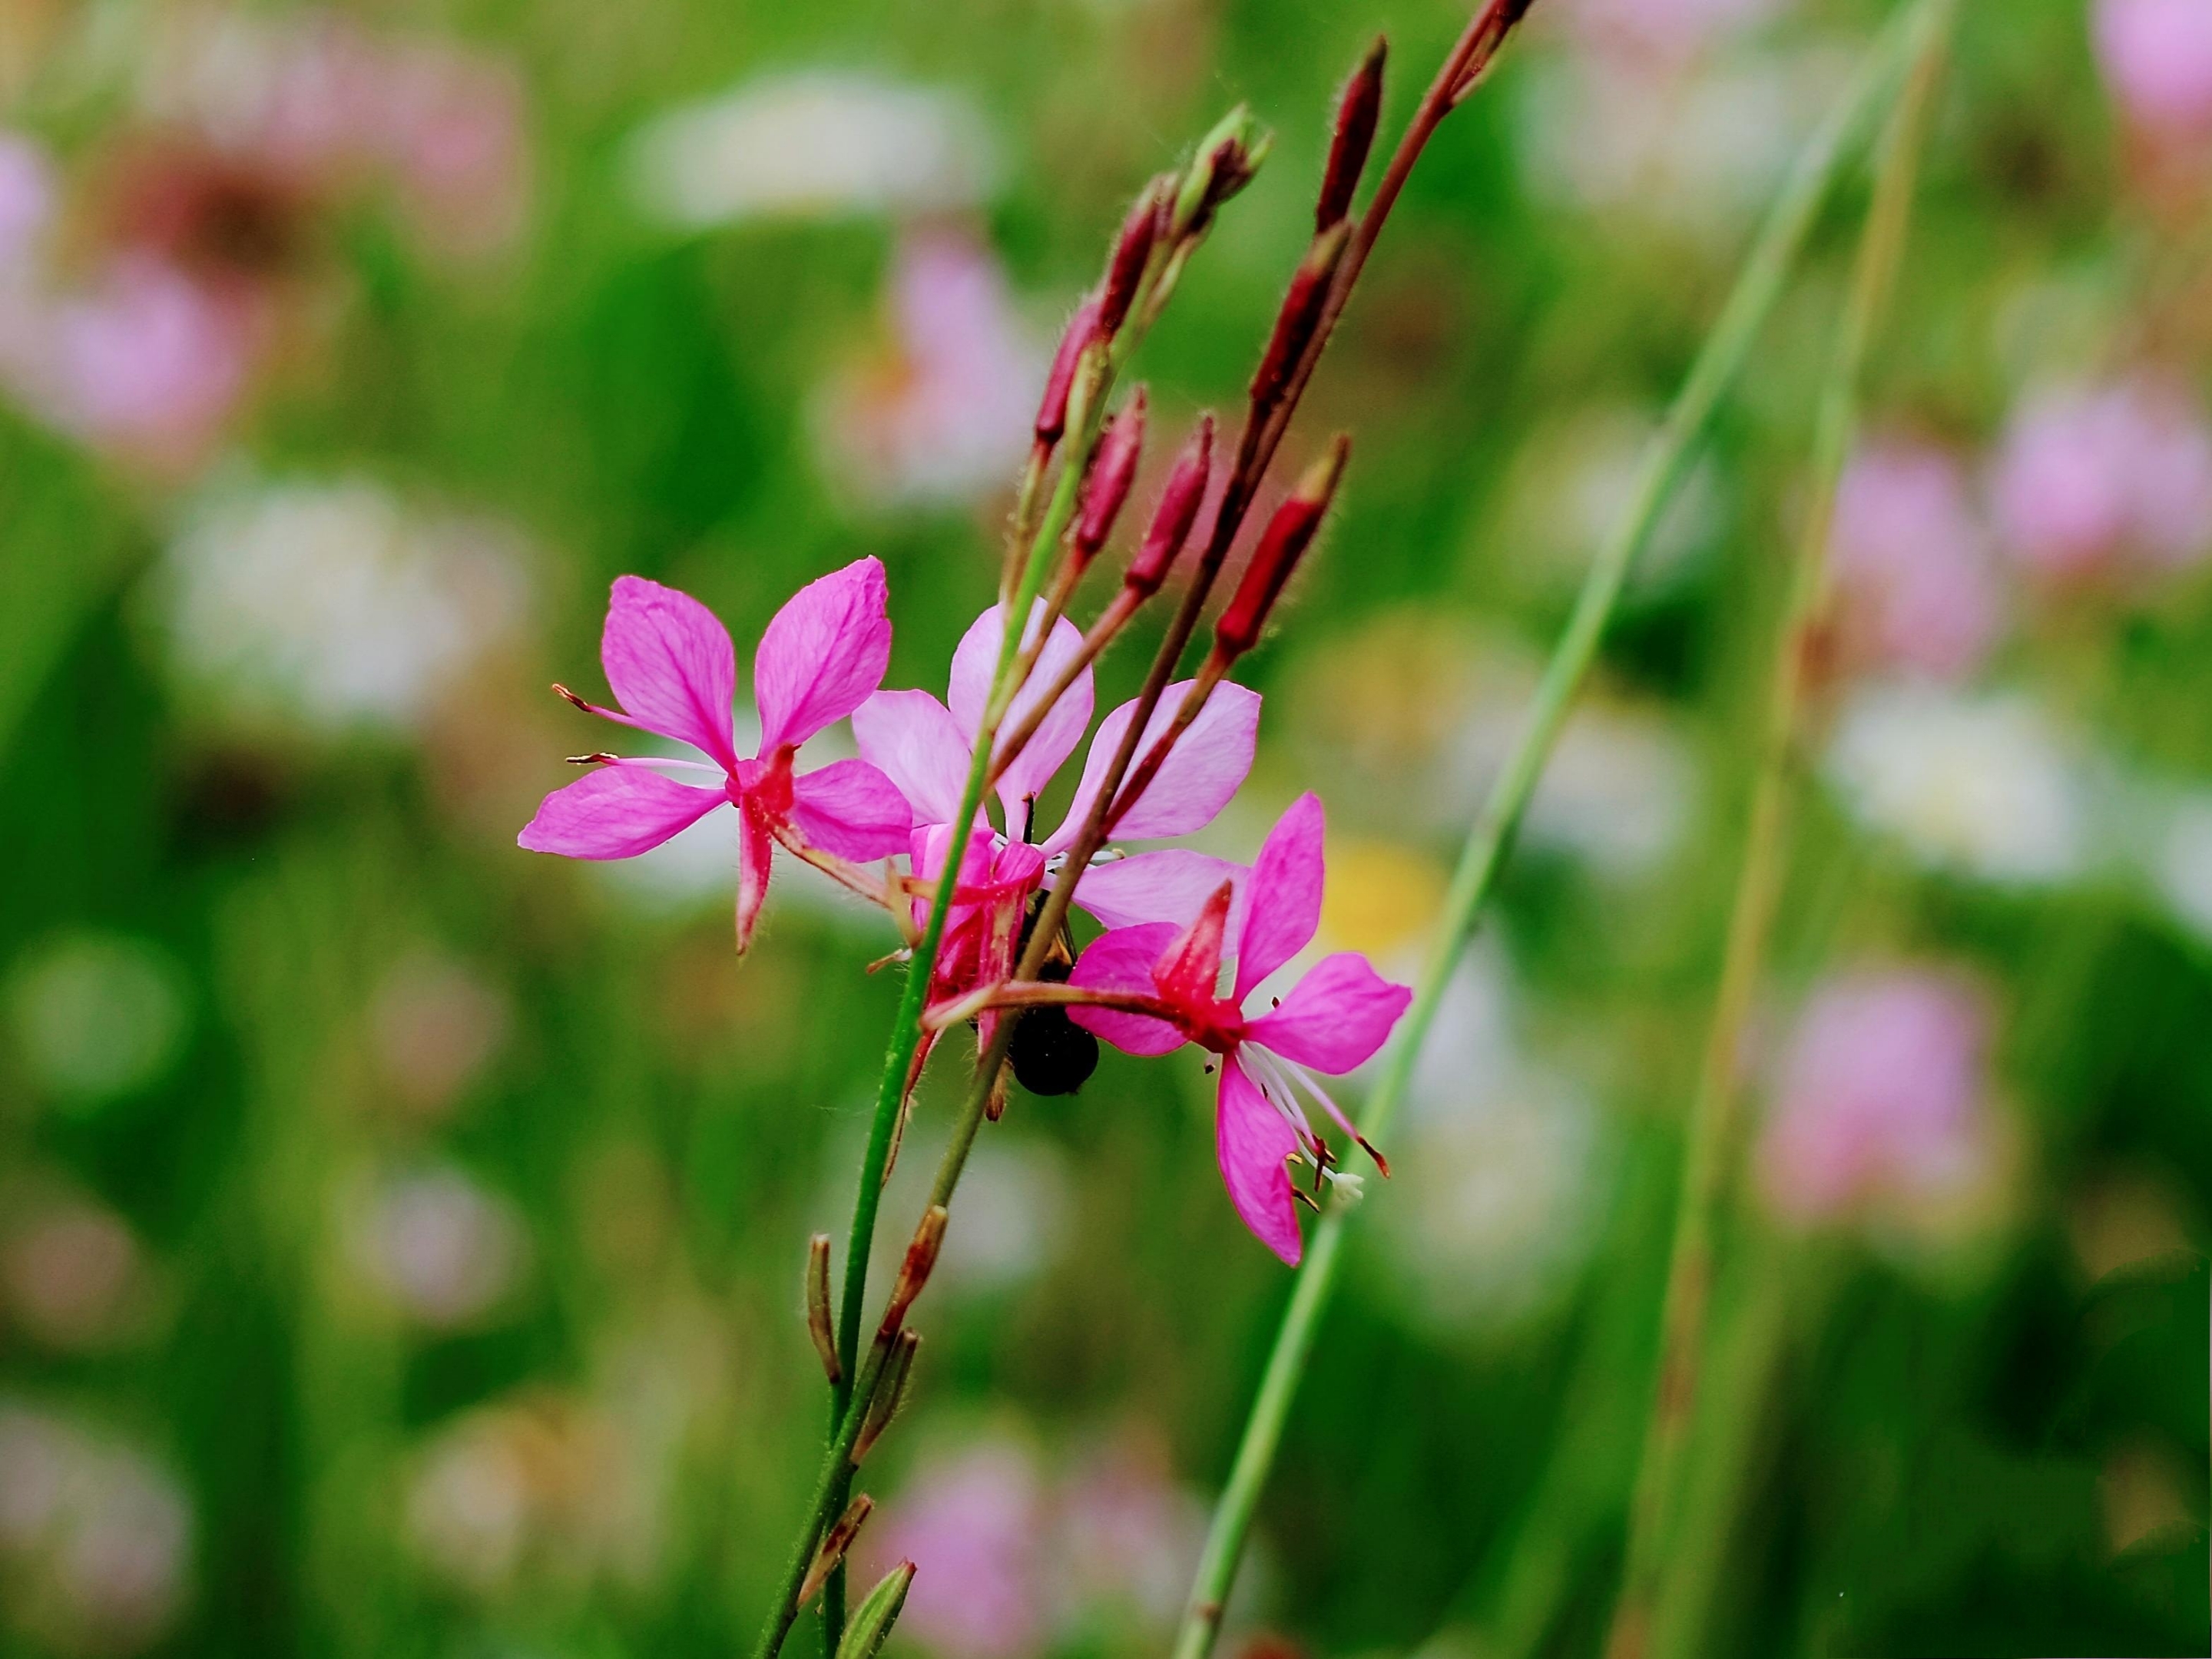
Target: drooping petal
(1286,883)
(822,653)
(1335,1018)
(671,666)
(851,809)
(1252,1141)
(1188,971)
(1122,960)
(974,663)
(919,745)
(1207,766)
(755,850)
(1171,884)
(616,812)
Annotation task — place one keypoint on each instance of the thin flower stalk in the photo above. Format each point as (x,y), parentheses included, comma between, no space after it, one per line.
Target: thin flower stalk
(1710,1135)
(1759,284)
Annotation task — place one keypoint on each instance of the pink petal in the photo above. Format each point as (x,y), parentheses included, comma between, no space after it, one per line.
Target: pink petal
(822,653)
(851,809)
(974,664)
(671,666)
(1122,960)
(1286,882)
(616,812)
(1335,1018)
(1172,885)
(1252,1141)
(755,855)
(1207,766)
(917,744)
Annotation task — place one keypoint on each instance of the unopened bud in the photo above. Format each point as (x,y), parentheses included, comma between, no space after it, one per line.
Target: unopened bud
(1111,474)
(1227,158)
(1283,542)
(1359,107)
(890,1394)
(838,1540)
(1133,251)
(1300,315)
(818,1323)
(913,1272)
(1052,408)
(1174,515)
(870,1625)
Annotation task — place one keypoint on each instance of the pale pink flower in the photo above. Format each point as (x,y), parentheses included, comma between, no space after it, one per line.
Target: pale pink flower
(2156,56)
(1880,1096)
(926,748)
(1661,32)
(1911,563)
(1332,1020)
(2095,480)
(974,1530)
(26,199)
(451,128)
(673,671)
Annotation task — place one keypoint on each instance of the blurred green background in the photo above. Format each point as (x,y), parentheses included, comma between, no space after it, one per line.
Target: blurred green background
(401,1235)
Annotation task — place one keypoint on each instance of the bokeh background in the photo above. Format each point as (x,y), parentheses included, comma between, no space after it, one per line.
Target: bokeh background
(400,1235)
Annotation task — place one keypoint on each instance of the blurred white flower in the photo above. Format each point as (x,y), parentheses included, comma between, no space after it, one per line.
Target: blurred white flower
(433,1025)
(1982,785)
(1658,34)
(1617,791)
(336,605)
(448,1252)
(1014,1202)
(815,142)
(95,1539)
(96,1015)
(2181,861)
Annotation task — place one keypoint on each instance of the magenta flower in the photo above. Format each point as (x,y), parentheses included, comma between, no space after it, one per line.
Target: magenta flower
(1912,568)
(2157,58)
(673,671)
(1333,1019)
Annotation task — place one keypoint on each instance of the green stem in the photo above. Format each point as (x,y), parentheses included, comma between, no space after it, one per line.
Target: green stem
(1757,287)
(1710,1132)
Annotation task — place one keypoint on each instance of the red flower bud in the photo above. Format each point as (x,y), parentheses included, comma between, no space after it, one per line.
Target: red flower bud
(1133,251)
(1052,408)
(1301,314)
(1283,542)
(1358,109)
(1176,511)
(1111,474)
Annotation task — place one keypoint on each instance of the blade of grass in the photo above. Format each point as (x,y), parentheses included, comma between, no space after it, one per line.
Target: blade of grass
(1765,270)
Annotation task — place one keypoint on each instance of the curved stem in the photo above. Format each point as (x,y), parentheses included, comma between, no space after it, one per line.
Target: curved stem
(1711,1132)
(1758,286)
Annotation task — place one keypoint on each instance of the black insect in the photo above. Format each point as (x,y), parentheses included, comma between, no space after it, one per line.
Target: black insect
(1050,1052)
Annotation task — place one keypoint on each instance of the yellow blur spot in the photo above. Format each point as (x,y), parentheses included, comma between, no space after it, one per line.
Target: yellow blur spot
(1380,897)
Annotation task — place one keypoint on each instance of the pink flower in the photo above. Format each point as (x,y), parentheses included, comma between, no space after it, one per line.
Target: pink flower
(2091,479)
(674,671)
(1911,563)
(926,748)
(975,1532)
(1662,33)
(1880,1096)
(1333,1019)
(2157,58)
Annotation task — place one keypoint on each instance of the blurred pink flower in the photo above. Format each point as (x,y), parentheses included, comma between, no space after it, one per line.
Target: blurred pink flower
(671,666)
(1332,1021)
(975,1528)
(1911,563)
(452,130)
(1880,1096)
(1661,33)
(2090,480)
(936,420)
(26,199)
(2156,56)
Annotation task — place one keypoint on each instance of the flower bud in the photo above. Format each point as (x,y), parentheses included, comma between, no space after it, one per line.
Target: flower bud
(1283,542)
(913,1272)
(890,1394)
(870,1626)
(1174,515)
(1133,251)
(819,1325)
(1227,159)
(1359,107)
(838,1540)
(1301,314)
(1111,474)
(1052,408)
